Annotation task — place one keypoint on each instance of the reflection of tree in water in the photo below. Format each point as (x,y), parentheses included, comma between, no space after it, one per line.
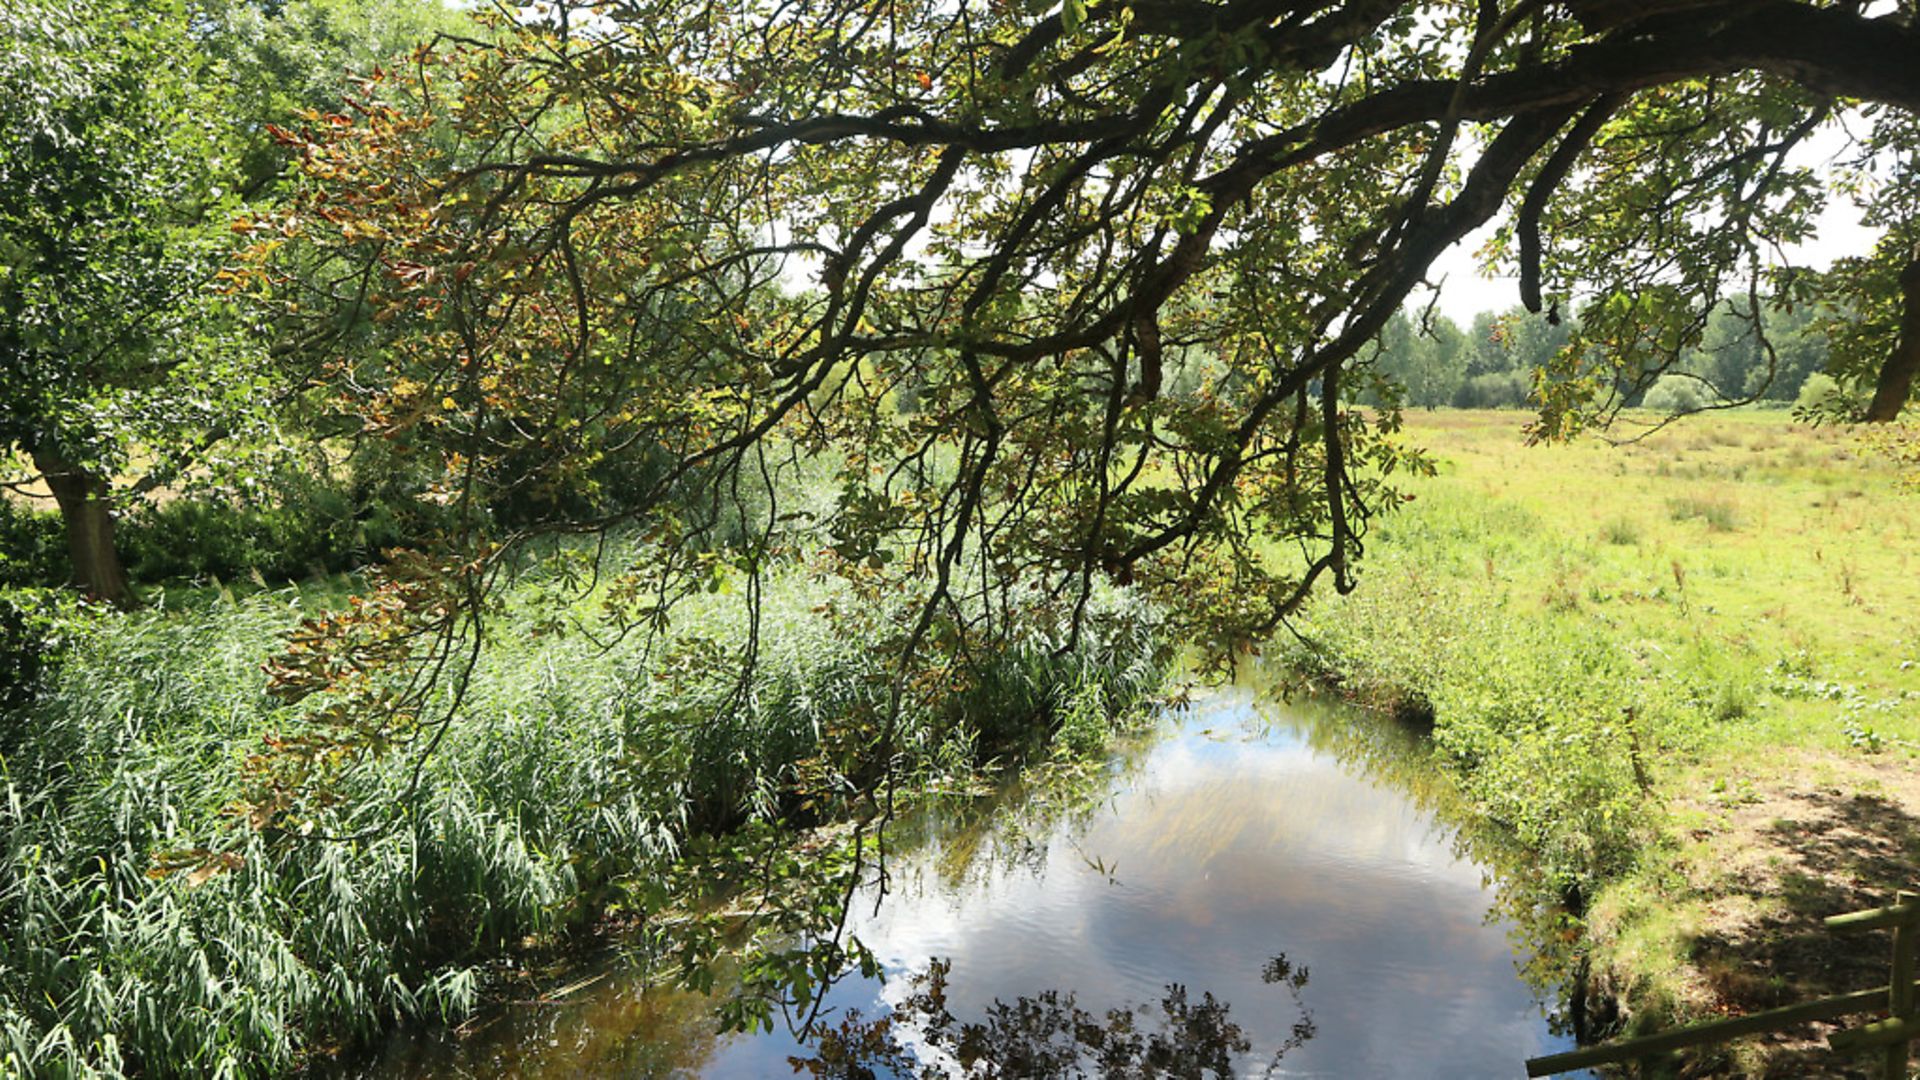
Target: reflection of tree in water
(1011,829)
(1047,1035)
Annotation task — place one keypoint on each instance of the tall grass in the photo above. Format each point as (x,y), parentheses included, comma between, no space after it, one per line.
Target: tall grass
(572,764)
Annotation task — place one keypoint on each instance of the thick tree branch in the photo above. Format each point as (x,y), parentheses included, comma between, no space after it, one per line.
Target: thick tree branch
(1527,222)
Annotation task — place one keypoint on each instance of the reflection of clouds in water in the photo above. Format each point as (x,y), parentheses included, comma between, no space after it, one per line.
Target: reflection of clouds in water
(1224,852)
(1221,853)
(1199,805)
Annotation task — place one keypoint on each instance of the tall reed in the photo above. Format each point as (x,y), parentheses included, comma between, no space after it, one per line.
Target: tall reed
(573,763)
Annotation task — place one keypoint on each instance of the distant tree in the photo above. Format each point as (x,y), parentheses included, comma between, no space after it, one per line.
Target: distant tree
(1757,352)
(1500,354)
(1486,351)
(1427,359)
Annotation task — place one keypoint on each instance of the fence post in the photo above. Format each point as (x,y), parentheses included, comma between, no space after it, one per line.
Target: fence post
(1900,989)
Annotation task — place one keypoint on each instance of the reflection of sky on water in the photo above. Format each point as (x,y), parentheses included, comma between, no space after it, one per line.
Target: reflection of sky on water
(1221,852)
(1233,842)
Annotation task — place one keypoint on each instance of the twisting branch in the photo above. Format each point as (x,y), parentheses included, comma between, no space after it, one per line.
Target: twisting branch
(1558,164)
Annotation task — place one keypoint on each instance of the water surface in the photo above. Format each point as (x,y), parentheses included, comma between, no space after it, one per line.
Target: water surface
(1244,831)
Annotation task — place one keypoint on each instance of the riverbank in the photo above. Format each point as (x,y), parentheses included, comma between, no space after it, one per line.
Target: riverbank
(151,932)
(1683,671)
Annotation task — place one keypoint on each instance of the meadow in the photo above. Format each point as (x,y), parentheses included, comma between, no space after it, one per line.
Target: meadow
(1683,671)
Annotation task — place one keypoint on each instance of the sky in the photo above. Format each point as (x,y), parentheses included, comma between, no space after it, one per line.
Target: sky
(1465,291)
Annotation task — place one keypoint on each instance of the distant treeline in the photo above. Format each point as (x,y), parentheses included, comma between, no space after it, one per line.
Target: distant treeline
(1490,364)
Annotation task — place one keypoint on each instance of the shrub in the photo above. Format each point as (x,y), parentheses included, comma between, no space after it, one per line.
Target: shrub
(1676,394)
(296,526)
(33,546)
(1816,392)
(36,626)
(1495,390)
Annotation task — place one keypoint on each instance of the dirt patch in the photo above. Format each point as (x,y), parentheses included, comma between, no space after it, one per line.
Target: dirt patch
(1837,834)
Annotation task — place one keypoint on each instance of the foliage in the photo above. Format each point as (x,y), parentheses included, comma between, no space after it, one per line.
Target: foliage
(284,56)
(113,220)
(293,524)
(1048,1034)
(36,628)
(285,523)
(32,547)
(140,135)
(601,236)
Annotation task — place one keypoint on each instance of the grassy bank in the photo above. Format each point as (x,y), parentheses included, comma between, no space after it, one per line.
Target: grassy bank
(1682,671)
(573,778)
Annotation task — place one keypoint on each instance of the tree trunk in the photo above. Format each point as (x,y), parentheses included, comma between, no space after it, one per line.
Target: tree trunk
(1897,374)
(87,511)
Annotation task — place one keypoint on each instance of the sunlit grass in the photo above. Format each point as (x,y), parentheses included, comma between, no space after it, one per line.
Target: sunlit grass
(1610,633)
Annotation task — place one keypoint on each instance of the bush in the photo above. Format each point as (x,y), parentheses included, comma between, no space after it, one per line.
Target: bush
(36,626)
(297,526)
(33,546)
(1676,394)
(1821,397)
(1495,390)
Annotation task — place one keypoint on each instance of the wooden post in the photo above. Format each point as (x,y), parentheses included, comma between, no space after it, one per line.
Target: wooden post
(1900,990)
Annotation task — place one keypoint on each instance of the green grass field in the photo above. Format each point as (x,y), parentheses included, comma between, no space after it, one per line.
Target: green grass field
(1684,671)
(1785,552)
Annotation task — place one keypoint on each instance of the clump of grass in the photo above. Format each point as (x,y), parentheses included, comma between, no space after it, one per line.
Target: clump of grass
(1621,532)
(1718,513)
(1730,699)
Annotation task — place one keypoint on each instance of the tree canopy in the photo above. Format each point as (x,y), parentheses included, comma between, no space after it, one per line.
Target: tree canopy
(113,206)
(1056,293)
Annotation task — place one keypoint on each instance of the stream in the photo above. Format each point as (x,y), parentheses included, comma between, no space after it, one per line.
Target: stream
(1292,860)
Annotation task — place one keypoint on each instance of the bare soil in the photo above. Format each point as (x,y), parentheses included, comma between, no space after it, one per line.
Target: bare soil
(1823,835)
